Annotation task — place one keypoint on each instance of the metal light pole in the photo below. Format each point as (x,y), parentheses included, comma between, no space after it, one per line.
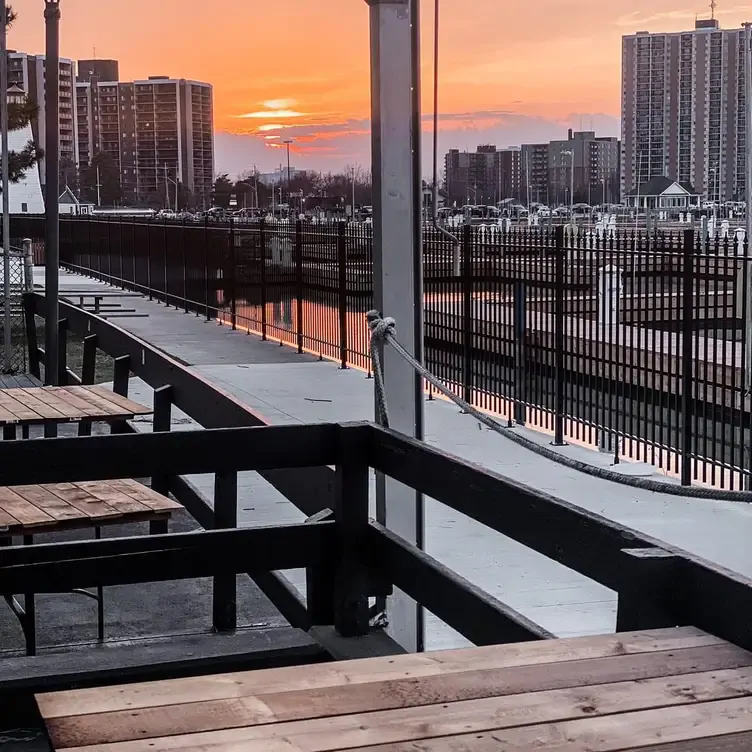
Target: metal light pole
(52,188)
(7,342)
(289,179)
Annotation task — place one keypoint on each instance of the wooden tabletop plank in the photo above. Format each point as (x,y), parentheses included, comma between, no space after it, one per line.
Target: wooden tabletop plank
(13,406)
(91,506)
(45,500)
(106,408)
(104,491)
(641,730)
(145,495)
(51,397)
(6,415)
(85,407)
(368,727)
(25,512)
(36,400)
(125,404)
(369,670)
(8,520)
(610,723)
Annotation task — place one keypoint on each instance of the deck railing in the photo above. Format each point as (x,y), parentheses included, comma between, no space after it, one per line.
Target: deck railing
(348,557)
(629,342)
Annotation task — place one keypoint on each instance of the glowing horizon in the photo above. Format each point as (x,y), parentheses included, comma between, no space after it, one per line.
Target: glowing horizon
(508,73)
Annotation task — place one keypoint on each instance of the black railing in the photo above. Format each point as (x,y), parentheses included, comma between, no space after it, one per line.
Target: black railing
(349,558)
(631,342)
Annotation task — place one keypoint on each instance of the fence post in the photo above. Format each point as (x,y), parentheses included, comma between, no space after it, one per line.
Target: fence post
(232,279)
(185,271)
(89,265)
(262,241)
(560,256)
(467,314)
(164,248)
(342,280)
(133,251)
(28,265)
(206,269)
(299,281)
(687,392)
(351,515)
(162,422)
(224,592)
(120,250)
(148,256)
(520,352)
(31,337)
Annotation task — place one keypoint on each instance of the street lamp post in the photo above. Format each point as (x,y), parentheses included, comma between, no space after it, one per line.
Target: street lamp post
(52,188)
(288,143)
(570,153)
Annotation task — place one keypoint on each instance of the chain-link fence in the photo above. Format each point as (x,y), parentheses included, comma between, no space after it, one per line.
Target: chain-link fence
(15,360)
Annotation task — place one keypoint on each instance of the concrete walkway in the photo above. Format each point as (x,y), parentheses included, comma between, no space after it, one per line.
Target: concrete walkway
(283,387)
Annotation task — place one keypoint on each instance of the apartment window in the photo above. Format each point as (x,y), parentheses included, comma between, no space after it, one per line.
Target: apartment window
(24,208)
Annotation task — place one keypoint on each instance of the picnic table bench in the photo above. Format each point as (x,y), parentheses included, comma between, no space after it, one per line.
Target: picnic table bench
(668,690)
(26,511)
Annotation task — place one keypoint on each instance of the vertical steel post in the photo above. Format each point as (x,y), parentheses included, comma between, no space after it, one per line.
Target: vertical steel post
(559,405)
(7,341)
(686,372)
(52,188)
(395,140)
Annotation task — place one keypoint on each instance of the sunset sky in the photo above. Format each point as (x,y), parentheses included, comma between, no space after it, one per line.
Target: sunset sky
(510,72)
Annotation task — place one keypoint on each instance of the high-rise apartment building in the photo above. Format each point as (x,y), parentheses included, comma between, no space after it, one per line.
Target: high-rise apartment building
(28,72)
(536,173)
(595,161)
(683,109)
(483,177)
(159,131)
(534,167)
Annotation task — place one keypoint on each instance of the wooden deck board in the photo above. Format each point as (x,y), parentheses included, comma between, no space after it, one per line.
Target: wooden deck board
(618,692)
(368,670)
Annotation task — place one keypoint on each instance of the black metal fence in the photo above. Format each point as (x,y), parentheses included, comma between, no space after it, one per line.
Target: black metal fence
(630,342)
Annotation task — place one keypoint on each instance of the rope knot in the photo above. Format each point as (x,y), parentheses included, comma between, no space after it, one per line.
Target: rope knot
(381,327)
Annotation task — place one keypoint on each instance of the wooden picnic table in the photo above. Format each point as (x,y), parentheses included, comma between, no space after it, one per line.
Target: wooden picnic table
(51,405)
(669,690)
(28,510)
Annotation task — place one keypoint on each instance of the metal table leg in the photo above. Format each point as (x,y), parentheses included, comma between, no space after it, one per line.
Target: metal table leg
(100,597)
(30,612)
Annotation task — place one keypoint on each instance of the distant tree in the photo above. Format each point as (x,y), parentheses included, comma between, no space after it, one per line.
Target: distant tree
(110,189)
(19,115)
(223,188)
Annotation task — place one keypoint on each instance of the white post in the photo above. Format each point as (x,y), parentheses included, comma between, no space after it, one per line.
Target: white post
(397,280)
(7,342)
(28,262)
